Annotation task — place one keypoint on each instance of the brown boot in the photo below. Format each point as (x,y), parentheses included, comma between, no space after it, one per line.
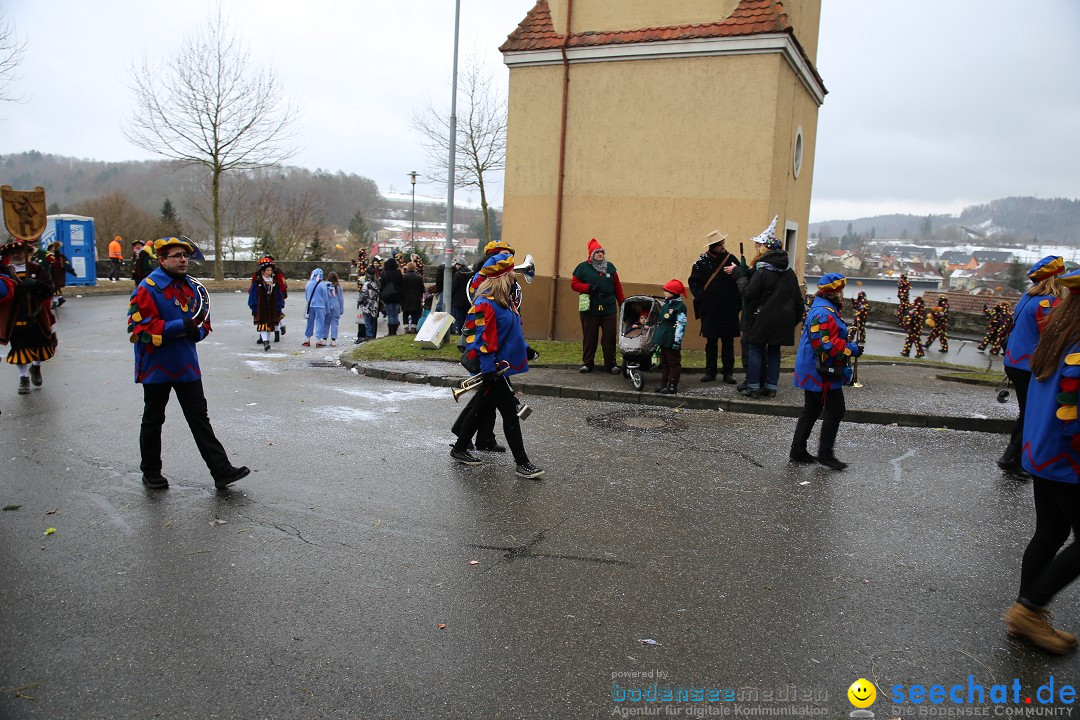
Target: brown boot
(1023,622)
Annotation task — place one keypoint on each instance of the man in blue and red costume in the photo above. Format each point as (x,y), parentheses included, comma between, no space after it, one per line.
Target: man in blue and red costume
(495,340)
(822,368)
(165,324)
(1051,453)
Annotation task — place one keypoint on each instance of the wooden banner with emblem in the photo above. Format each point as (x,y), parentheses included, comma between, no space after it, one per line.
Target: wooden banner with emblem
(24,211)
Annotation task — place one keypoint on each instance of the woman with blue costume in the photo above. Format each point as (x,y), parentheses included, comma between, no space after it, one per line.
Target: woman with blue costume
(495,339)
(825,345)
(1051,453)
(316,301)
(1030,317)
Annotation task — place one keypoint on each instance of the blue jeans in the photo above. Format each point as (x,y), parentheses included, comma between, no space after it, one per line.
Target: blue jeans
(458,312)
(770,356)
(392,311)
(371,324)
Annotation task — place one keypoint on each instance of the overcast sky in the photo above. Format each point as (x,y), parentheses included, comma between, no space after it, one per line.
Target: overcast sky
(932,104)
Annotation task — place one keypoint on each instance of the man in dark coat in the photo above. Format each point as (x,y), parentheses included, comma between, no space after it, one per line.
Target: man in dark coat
(717,303)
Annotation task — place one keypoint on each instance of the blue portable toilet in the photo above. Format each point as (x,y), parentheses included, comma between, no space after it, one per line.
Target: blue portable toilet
(76,236)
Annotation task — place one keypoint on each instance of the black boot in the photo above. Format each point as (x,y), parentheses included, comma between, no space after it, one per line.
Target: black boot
(1010,464)
(277,336)
(391,329)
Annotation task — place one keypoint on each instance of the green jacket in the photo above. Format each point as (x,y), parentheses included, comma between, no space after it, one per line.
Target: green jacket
(605,291)
(669,333)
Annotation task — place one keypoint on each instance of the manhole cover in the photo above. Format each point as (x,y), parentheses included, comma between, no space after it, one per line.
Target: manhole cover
(663,421)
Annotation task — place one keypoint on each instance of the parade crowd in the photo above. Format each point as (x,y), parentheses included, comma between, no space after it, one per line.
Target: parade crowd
(757,301)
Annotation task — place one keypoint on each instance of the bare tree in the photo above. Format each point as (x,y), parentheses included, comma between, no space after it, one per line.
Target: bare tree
(209,106)
(481,135)
(11,55)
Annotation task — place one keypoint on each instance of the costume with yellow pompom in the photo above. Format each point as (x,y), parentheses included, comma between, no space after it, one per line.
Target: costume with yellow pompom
(938,321)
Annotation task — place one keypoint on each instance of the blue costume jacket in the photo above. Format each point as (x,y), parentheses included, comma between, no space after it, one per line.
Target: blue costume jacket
(1031,313)
(493,334)
(159,322)
(1051,447)
(824,335)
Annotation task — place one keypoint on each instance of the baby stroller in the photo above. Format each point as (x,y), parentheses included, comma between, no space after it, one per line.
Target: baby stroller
(638,317)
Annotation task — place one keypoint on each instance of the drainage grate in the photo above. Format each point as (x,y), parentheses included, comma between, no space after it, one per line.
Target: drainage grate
(639,421)
(324,363)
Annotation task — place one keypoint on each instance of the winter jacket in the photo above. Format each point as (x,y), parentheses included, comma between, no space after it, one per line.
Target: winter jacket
(315,292)
(824,336)
(459,283)
(335,300)
(604,289)
(412,292)
(718,306)
(1051,446)
(159,323)
(774,303)
(369,298)
(391,277)
(669,333)
(1031,314)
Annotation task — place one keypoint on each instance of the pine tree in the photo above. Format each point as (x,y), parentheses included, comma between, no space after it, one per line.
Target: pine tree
(170,221)
(315,249)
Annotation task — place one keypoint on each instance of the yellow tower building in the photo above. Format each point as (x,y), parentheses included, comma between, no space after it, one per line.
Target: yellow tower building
(648,123)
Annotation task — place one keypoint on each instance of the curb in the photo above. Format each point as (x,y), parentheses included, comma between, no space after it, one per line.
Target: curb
(634,397)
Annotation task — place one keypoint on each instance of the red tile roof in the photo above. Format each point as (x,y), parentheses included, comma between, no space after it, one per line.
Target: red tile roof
(750,17)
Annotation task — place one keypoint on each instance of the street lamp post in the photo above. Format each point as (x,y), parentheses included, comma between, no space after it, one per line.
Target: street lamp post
(412,236)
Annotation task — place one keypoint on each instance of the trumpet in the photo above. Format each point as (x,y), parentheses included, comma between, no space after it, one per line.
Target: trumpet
(527,268)
(474,381)
(855,374)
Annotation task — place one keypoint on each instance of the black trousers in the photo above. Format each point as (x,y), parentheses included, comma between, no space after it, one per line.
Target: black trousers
(830,405)
(485,421)
(193,403)
(727,355)
(114,269)
(606,326)
(1020,380)
(1045,571)
(498,395)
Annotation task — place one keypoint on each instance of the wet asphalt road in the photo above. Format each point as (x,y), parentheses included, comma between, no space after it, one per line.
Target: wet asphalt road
(317,587)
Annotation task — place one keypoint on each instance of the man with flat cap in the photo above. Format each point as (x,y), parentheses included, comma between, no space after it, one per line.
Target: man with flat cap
(165,321)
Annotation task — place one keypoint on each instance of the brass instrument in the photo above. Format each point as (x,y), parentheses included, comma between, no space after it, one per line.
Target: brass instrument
(527,268)
(474,381)
(201,308)
(855,374)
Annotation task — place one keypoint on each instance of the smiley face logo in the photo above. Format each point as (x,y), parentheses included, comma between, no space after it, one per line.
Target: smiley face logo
(862,693)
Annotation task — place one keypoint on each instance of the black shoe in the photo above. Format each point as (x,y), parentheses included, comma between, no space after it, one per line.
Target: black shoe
(35,375)
(258,340)
(801,456)
(831,462)
(668,389)
(709,376)
(493,447)
(24,386)
(741,386)
(60,301)
(1014,469)
(729,379)
(528,470)
(230,477)
(660,388)
(157,482)
(585,369)
(277,336)
(615,370)
(266,346)
(464,457)
(357,341)
(751,393)
(768,393)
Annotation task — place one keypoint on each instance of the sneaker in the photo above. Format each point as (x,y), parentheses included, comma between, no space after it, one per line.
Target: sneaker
(464,457)
(709,376)
(1021,621)
(333,343)
(585,369)
(801,456)
(24,386)
(35,375)
(831,462)
(237,473)
(155,482)
(528,470)
(319,344)
(493,447)
(306,343)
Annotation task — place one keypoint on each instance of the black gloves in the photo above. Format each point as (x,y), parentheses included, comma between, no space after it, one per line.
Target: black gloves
(192,330)
(531,354)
